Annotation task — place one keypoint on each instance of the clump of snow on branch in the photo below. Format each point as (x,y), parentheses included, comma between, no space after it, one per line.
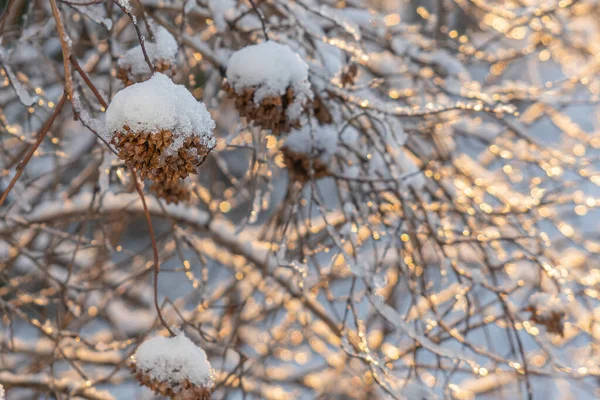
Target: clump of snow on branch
(271,68)
(157,105)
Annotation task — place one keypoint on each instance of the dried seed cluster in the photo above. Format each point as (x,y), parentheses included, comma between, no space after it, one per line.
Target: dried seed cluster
(308,152)
(300,164)
(321,111)
(271,113)
(181,390)
(172,192)
(162,52)
(147,153)
(554,322)
(159,129)
(128,77)
(270,86)
(174,367)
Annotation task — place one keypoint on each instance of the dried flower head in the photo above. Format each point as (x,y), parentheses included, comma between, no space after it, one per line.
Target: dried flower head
(174,367)
(548,310)
(269,83)
(159,129)
(305,149)
(349,73)
(126,75)
(171,192)
(321,111)
(270,113)
(162,52)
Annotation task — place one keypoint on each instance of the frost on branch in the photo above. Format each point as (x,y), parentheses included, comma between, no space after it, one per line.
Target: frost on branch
(174,367)
(269,83)
(160,129)
(162,52)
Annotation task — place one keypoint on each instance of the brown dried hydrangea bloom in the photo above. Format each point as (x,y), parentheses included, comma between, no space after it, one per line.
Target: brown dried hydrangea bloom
(270,113)
(171,192)
(183,390)
(161,51)
(174,367)
(125,74)
(146,151)
(159,129)
(269,83)
(299,165)
(309,153)
(554,322)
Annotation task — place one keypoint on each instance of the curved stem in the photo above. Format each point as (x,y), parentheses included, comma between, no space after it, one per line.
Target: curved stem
(154,250)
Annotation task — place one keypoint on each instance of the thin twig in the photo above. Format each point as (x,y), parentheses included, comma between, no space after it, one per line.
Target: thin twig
(88,82)
(261,16)
(139,35)
(41,136)
(66,49)
(154,249)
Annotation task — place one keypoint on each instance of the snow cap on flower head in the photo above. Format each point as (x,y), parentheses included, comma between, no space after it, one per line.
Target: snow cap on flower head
(269,83)
(161,130)
(174,367)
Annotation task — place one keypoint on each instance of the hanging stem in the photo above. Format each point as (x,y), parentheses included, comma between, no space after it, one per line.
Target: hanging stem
(154,250)
(139,35)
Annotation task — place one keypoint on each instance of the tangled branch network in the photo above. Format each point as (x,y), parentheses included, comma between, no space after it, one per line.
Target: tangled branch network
(299,199)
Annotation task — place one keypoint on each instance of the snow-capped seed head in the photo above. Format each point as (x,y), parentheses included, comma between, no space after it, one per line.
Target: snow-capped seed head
(269,83)
(162,52)
(174,367)
(160,128)
(269,65)
(549,310)
(303,149)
